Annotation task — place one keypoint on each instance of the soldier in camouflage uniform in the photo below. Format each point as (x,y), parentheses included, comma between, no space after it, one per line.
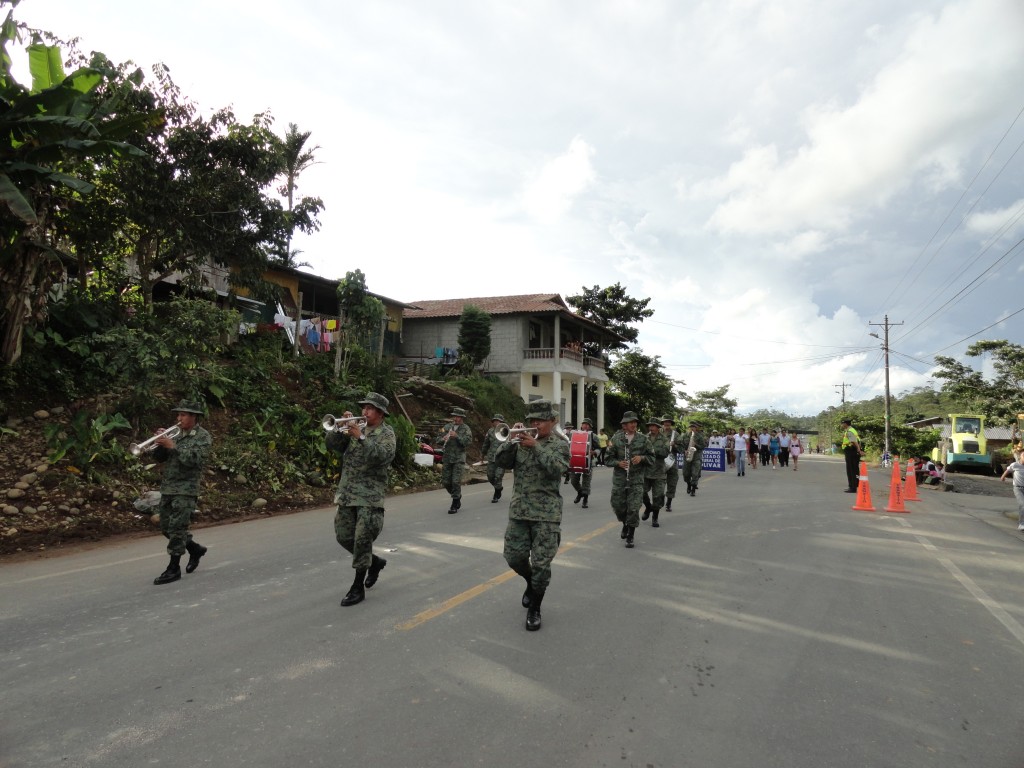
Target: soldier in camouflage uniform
(668,428)
(581,480)
(489,448)
(456,440)
(183,459)
(629,453)
(654,478)
(366,458)
(693,445)
(535,513)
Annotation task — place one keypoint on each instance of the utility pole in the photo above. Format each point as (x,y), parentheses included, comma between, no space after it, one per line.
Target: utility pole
(885,347)
(842,391)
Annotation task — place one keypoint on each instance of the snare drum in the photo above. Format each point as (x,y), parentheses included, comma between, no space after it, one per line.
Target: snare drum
(579,451)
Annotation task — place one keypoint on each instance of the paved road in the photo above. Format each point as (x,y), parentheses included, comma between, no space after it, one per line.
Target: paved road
(764,624)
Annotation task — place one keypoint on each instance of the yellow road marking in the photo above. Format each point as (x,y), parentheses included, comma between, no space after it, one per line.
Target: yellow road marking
(432,613)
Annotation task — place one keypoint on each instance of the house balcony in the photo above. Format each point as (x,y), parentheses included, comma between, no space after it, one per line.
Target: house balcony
(565,360)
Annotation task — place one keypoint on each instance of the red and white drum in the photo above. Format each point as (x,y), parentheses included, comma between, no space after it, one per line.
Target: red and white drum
(579,451)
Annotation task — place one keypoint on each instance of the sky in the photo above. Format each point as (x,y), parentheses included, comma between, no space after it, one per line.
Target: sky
(777,176)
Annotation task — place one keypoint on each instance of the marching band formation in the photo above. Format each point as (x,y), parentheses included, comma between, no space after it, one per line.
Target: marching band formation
(542,454)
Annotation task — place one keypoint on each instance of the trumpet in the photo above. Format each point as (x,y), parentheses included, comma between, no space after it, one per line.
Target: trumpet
(137,449)
(505,432)
(331,423)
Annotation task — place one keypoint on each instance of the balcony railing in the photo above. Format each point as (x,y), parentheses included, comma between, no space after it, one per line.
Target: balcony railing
(548,353)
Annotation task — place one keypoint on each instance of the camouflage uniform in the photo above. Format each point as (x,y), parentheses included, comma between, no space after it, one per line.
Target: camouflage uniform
(628,487)
(361,490)
(534,532)
(672,472)
(654,477)
(454,460)
(179,489)
(692,463)
(495,474)
(581,480)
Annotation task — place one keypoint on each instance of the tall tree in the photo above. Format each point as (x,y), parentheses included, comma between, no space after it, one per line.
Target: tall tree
(200,196)
(642,383)
(474,336)
(301,215)
(613,309)
(47,130)
(1002,397)
(713,407)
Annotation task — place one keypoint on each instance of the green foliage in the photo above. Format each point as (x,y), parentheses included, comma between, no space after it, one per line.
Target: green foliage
(1000,398)
(613,309)
(490,396)
(642,383)
(405,443)
(474,336)
(86,442)
(714,409)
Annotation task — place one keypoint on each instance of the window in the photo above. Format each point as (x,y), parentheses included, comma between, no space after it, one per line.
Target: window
(535,381)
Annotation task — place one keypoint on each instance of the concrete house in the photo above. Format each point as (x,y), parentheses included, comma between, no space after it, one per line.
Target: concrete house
(537,346)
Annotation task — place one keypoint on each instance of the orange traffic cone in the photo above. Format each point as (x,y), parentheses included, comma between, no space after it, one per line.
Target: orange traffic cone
(863,491)
(910,485)
(896,490)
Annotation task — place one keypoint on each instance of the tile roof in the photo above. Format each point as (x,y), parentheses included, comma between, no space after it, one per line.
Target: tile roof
(531,303)
(524,304)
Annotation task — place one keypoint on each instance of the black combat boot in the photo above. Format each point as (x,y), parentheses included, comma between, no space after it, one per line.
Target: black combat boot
(647,512)
(585,497)
(173,572)
(625,531)
(195,551)
(533,614)
(358,592)
(693,490)
(668,505)
(629,537)
(454,507)
(496,496)
(578,497)
(376,566)
(654,519)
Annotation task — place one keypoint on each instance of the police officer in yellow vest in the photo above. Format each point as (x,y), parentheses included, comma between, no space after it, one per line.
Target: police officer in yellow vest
(852,451)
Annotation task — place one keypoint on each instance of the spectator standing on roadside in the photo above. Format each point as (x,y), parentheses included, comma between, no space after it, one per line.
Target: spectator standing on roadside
(1017,470)
(602,445)
(784,443)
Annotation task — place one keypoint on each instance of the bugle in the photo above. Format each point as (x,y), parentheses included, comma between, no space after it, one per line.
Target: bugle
(137,449)
(332,423)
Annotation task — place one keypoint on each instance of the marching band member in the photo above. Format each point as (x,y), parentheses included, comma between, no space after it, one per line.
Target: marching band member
(495,474)
(453,463)
(581,480)
(367,455)
(654,477)
(535,512)
(630,454)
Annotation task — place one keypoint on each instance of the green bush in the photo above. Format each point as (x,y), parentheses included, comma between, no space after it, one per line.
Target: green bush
(490,396)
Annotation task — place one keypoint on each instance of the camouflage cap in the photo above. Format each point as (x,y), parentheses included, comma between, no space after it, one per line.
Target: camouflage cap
(497,417)
(629,416)
(654,422)
(378,401)
(189,406)
(459,412)
(588,422)
(695,423)
(541,409)
(669,420)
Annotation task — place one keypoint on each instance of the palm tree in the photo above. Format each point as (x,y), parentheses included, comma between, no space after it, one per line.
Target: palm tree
(296,158)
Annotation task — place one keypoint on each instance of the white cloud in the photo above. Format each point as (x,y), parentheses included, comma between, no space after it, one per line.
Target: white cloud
(559,182)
